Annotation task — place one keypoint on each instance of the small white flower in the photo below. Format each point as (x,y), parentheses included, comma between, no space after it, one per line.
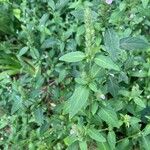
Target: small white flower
(132,16)
(102,96)
(72,132)
(148,97)
(53,105)
(112,74)
(109,1)
(1,138)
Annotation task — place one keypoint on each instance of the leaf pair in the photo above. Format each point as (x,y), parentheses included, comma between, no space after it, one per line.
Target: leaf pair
(102,61)
(114,45)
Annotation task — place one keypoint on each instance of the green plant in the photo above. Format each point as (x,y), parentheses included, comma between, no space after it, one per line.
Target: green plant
(74,75)
(99,74)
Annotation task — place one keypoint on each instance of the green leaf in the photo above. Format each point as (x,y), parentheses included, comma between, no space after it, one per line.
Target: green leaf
(146,130)
(139,102)
(73,146)
(23,51)
(111,139)
(83,145)
(103,146)
(51,3)
(73,56)
(145,142)
(96,135)
(106,62)
(145,112)
(145,3)
(97,71)
(17,104)
(109,116)
(94,107)
(70,140)
(93,86)
(38,114)
(111,40)
(78,100)
(133,43)
(49,43)
(112,86)
(123,144)
(44,19)
(61,4)
(81,81)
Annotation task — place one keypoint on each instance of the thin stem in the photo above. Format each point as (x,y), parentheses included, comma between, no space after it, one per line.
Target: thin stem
(131,136)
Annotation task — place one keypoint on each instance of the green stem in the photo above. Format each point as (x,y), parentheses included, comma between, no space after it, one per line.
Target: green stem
(131,136)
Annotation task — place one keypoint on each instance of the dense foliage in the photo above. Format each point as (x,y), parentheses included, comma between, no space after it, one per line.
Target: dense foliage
(74,75)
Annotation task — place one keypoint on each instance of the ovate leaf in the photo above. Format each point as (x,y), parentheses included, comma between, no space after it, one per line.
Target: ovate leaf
(38,114)
(146,130)
(73,56)
(49,43)
(112,86)
(97,71)
(145,112)
(61,4)
(145,142)
(96,135)
(106,62)
(139,102)
(94,107)
(123,144)
(78,99)
(109,116)
(23,51)
(73,146)
(17,104)
(111,139)
(70,139)
(133,43)
(103,146)
(145,3)
(111,40)
(83,145)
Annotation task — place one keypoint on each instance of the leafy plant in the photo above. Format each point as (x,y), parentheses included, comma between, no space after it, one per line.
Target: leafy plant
(74,75)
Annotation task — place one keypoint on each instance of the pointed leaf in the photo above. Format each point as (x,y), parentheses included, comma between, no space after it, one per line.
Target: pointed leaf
(112,86)
(103,146)
(133,43)
(139,102)
(78,100)
(83,145)
(106,62)
(96,135)
(145,3)
(38,114)
(123,145)
(109,116)
(23,51)
(73,56)
(146,130)
(70,140)
(94,107)
(111,139)
(111,40)
(17,104)
(49,43)
(145,142)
